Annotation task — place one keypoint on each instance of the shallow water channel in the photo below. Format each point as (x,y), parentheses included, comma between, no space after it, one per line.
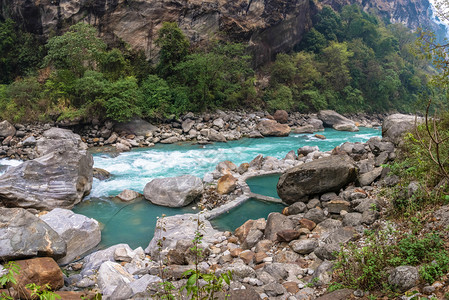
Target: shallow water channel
(134,223)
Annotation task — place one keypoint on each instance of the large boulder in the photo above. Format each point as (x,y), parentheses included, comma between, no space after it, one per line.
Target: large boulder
(40,271)
(23,235)
(226,184)
(273,128)
(60,140)
(79,232)
(7,129)
(114,281)
(170,230)
(323,175)
(60,177)
(174,191)
(403,278)
(394,127)
(281,116)
(136,126)
(333,119)
(57,179)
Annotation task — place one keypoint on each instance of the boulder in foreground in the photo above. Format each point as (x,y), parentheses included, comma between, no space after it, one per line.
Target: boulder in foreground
(170,230)
(323,175)
(58,179)
(40,271)
(174,191)
(23,235)
(79,232)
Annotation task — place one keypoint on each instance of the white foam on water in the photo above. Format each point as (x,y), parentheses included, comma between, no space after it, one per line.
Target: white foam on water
(133,170)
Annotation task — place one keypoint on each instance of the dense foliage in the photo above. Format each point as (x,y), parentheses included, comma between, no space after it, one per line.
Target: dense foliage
(350,62)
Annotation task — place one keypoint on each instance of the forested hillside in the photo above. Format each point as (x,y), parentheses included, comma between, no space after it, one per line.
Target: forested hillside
(350,61)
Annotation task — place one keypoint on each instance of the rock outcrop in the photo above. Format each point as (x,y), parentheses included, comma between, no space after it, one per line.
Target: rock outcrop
(23,235)
(272,27)
(273,128)
(333,119)
(173,191)
(395,126)
(79,232)
(323,175)
(59,178)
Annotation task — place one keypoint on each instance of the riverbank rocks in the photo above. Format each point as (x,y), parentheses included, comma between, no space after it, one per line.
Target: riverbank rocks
(273,128)
(23,235)
(174,191)
(333,119)
(394,127)
(40,271)
(101,174)
(136,126)
(320,176)
(7,129)
(79,232)
(171,229)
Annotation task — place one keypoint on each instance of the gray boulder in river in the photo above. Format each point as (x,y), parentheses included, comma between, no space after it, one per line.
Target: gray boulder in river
(23,235)
(323,175)
(333,119)
(61,177)
(173,191)
(79,232)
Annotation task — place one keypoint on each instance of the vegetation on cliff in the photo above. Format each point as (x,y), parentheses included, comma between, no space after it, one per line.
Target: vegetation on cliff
(350,61)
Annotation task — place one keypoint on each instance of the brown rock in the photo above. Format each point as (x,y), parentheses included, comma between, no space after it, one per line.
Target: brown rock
(226,184)
(287,235)
(247,256)
(233,239)
(259,266)
(259,256)
(264,246)
(285,211)
(291,287)
(242,232)
(243,168)
(337,205)
(236,252)
(281,116)
(306,223)
(273,128)
(40,271)
(320,136)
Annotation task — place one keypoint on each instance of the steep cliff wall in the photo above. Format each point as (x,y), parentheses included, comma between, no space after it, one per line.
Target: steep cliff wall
(268,26)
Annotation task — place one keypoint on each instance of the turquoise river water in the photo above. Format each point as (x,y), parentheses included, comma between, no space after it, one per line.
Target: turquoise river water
(134,223)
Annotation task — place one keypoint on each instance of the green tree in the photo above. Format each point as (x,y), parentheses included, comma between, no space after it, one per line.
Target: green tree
(78,50)
(157,98)
(174,47)
(335,59)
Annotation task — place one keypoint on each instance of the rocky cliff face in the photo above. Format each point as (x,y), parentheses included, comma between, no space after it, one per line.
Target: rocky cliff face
(411,13)
(268,26)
